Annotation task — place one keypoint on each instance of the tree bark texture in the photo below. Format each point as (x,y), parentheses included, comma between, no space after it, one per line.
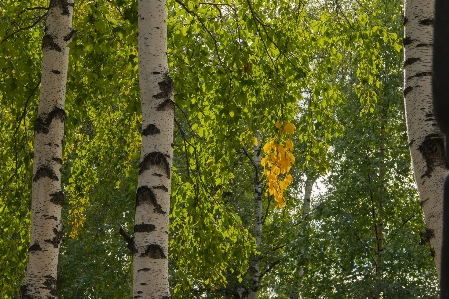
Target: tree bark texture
(440,90)
(425,139)
(150,248)
(47,196)
(254,263)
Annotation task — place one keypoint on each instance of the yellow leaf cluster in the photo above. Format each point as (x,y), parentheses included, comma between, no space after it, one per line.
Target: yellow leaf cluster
(78,221)
(288,127)
(277,162)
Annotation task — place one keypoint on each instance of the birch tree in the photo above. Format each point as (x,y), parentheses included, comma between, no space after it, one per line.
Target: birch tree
(150,251)
(47,195)
(425,139)
(254,263)
(440,76)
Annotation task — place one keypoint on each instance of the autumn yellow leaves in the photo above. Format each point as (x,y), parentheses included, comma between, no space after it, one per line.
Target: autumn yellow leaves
(277,162)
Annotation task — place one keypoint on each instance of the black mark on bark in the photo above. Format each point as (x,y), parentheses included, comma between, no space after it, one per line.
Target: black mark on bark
(57,238)
(404,20)
(35,247)
(155,158)
(70,35)
(424,45)
(48,217)
(156,73)
(407,41)
(24,292)
(165,105)
(432,150)
(144,228)
(407,90)
(143,270)
(432,252)
(430,117)
(161,187)
(410,61)
(421,74)
(151,129)
(154,251)
(426,236)
(49,43)
(45,171)
(157,174)
(42,123)
(146,195)
(57,198)
(63,5)
(57,160)
(55,72)
(426,22)
(52,144)
(50,284)
(422,202)
(166,87)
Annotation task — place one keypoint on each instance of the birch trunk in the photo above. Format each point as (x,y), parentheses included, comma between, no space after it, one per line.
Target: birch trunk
(378,219)
(254,263)
(150,251)
(306,209)
(425,139)
(308,188)
(47,196)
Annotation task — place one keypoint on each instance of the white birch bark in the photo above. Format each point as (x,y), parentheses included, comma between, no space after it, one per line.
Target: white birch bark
(150,251)
(425,139)
(47,196)
(254,262)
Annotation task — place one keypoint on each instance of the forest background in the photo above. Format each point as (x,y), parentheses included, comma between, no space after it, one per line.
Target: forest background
(243,70)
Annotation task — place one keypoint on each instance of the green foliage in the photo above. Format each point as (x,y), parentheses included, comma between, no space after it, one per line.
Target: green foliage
(20,60)
(335,246)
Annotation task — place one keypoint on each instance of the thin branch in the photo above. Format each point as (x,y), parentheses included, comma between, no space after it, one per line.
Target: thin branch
(18,121)
(32,8)
(7,182)
(270,267)
(268,36)
(215,4)
(202,25)
(185,148)
(24,28)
